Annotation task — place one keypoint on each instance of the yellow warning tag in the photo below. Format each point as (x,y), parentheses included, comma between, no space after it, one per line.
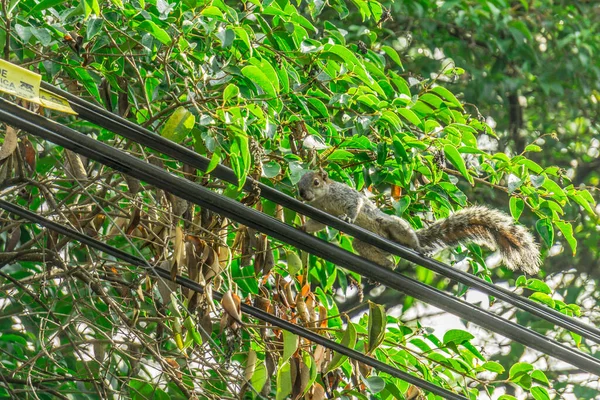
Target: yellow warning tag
(19,81)
(25,84)
(55,102)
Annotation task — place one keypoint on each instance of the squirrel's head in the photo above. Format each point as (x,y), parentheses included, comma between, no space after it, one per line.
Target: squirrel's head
(313,185)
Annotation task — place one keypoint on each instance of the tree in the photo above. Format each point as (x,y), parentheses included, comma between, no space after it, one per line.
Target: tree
(269,89)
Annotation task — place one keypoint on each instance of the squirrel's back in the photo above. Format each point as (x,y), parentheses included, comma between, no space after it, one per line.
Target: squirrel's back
(487,227)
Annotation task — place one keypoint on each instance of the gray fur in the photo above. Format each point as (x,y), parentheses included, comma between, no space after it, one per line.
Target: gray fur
(481,225)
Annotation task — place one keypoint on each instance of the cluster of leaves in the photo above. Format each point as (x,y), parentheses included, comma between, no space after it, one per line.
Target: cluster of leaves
(531,67)
(271,91)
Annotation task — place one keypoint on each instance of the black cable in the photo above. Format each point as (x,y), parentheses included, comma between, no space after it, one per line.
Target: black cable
(125,128)
(255,312)
(229,208)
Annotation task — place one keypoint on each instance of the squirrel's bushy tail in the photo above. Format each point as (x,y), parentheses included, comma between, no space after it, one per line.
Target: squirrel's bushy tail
(486,227)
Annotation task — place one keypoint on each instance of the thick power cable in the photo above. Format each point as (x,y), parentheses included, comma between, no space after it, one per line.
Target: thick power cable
(255,312)
(229,208)
(125,128)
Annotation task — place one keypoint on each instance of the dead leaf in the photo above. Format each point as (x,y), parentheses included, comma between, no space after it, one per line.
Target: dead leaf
(413,393)
(10,143)
(279,213)
(179,247)
(205,326)
(165,287)
(316,392)
(251,362)
(134,222)
(178,205)
(304,378)
(133,184)
(302,309)
(29,154)
(396,192)
(13,238)
(74,166)
(232,305)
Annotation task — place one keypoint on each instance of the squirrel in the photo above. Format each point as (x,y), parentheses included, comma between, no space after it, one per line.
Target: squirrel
(480,225)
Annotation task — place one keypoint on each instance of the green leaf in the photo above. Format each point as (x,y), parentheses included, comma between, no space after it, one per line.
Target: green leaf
(533,148)
(141,389)
(226,37)
(340,155)
(240,157)
(539,393)
(352,63)
(294,263)
(43,5)
(546,231)
(192,331)
(259,378)
(543,298)
(516,205)
(553,187)
(540,377)
(348,340)
(157,32)
(319,106)
(457,336)
(392,119)
(267,69)
(90,84)
(537,180)
(411,117)
(518,370)
(493,366)
(94,26)
(399,150)
(447,95)
(531,165)
(284,381)
(393,54)
(258,77)
(212,11)
(473,350)
(179,124)
(376,327)
(374,384)
(214,160)
(271,169)
(420,343)
(583,202)
(520,27)
(230,92)
(290,344)
(567,230)
(343,54)
(242,36)
(455,158)
(538,286)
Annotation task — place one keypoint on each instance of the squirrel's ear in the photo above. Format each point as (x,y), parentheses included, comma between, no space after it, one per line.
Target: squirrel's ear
(323,173)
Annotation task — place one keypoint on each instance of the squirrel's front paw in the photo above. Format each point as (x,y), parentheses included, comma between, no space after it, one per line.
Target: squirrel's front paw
(346,218)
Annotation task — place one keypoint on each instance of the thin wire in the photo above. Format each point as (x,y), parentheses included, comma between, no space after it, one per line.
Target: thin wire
(256,312)
(127,129)
(229,208)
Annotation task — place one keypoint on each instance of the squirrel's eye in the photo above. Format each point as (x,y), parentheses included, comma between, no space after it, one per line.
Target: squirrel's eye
(316,182)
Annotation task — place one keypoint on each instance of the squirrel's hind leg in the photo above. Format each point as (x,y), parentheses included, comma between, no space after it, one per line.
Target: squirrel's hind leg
(399,231)
(374,254)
